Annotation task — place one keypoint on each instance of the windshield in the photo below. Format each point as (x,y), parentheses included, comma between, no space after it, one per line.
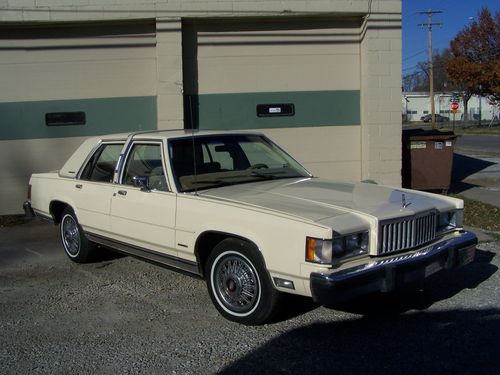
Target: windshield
(227,160)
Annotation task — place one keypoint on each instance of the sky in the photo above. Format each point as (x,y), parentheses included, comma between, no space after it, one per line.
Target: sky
(455,16)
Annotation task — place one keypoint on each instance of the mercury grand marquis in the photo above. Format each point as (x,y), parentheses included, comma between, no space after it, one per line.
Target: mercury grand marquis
(237,210)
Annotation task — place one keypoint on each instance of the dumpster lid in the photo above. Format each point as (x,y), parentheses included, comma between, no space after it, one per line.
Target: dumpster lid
(422,134)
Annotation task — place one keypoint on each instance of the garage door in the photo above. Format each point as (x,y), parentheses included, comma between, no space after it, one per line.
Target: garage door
(272,73)
(64,82)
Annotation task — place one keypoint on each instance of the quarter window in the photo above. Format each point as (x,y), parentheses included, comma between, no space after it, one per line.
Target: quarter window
(101,166)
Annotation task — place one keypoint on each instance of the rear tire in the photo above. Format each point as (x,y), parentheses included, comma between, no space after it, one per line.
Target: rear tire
(76,245)
(238,283)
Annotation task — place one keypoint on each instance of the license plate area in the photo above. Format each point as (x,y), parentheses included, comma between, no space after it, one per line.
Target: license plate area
(433,268)
(466,255)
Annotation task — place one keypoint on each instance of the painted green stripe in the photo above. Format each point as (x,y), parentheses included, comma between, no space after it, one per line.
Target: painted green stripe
(26,120)
(312,108)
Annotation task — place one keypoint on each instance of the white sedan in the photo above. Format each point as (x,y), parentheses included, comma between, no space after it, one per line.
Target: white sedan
(237,210)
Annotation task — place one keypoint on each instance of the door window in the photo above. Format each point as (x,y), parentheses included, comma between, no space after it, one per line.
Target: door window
(101,166)
(145,163)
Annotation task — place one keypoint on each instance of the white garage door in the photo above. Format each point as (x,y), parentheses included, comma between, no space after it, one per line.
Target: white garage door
(313,65)
(64,82)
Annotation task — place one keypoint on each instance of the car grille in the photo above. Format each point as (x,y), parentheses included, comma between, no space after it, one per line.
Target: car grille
(408,233)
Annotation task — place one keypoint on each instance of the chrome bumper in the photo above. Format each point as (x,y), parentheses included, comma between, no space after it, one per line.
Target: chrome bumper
(389,273)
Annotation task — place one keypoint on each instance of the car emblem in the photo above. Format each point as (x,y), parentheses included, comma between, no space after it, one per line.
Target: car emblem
(403,201)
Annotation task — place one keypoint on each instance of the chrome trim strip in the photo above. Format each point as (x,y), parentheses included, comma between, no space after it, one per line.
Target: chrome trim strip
(154,256)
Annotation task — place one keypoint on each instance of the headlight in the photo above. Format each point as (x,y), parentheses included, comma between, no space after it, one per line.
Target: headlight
(318,251)
(448,221)
(350,246)
(341,247)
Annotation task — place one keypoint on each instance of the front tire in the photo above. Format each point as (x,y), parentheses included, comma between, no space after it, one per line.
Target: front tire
(239,284)
(75,243)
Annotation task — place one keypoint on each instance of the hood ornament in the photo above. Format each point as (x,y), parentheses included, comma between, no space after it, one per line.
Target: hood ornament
(403,201)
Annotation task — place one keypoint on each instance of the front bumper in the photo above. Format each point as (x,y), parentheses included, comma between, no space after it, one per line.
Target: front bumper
(387,274)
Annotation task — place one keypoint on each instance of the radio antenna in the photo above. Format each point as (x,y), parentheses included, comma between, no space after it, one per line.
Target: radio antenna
(194,147)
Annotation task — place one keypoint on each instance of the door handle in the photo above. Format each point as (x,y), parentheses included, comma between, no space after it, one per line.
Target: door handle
(122,192)
(78,186)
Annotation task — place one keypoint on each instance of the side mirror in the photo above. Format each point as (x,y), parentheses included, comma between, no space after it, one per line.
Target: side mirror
(141,182)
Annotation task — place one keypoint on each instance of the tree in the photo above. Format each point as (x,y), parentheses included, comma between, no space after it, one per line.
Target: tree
(419,79)
(474,64)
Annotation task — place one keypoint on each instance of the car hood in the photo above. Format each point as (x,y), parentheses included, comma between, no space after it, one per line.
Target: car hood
(320,200)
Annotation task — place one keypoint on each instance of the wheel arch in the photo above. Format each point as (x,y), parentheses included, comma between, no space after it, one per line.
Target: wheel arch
(56,209)
(206,242)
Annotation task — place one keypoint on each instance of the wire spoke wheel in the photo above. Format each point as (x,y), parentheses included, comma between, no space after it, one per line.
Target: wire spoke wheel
(74,241)
(236,283)
(239,284)
(70,235)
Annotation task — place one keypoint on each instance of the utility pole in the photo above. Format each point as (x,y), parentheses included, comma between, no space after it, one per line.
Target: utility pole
(429,25)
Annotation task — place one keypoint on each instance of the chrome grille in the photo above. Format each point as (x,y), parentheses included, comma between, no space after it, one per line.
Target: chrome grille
(407,233)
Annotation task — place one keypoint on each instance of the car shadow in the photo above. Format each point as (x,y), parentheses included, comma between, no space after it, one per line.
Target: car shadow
(438,342)
(106,254)
(392,334)
(290,306)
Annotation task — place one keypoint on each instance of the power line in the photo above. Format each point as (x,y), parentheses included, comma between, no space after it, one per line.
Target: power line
(414,55)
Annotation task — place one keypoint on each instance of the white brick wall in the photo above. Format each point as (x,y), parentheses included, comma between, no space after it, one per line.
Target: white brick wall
(380,90)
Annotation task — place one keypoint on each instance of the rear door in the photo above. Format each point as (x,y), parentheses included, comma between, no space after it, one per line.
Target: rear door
(94,188)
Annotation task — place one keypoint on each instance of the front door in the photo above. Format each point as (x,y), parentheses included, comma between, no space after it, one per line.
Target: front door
(144,216)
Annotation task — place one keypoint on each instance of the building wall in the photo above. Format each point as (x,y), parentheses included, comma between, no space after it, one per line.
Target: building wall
(381,66)
(312,63)
(337,61)
(108,71)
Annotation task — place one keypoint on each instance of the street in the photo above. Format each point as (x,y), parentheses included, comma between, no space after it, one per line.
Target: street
(121,315)
(478,144)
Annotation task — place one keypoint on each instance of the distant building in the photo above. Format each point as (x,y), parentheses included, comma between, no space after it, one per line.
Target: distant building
(417,104)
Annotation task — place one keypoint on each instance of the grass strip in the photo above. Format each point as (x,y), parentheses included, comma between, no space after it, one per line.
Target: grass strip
(481,215)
